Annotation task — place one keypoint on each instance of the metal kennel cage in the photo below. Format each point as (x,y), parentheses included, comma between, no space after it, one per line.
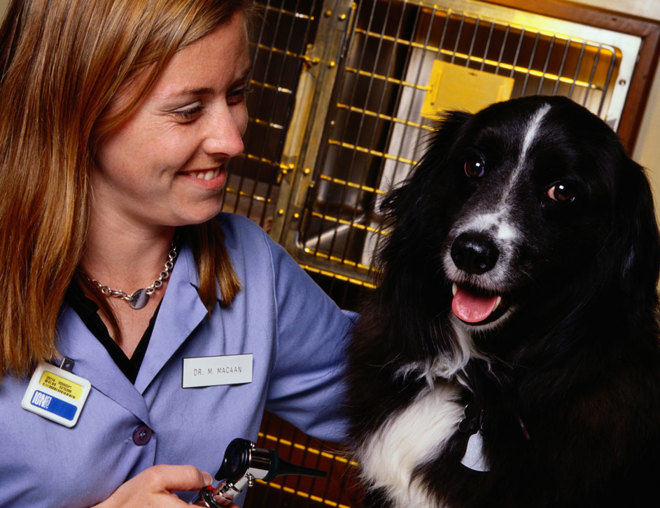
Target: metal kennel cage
(344,95)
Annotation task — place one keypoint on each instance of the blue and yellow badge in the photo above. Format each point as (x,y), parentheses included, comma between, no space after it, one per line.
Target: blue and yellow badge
(56,394)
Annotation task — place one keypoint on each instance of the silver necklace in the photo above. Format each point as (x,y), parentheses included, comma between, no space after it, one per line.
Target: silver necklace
(139,298)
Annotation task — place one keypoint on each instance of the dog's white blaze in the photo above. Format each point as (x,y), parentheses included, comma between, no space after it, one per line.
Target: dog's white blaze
(496,222)
(532,130)
(408,439)
(482,222)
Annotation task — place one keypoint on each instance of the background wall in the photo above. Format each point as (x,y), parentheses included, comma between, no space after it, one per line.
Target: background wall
(647,148)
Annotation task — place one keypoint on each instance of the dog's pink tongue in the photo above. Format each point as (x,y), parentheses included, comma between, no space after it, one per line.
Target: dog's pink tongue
(473,308)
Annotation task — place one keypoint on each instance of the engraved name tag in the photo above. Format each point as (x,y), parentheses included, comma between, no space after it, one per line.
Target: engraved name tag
(216,370)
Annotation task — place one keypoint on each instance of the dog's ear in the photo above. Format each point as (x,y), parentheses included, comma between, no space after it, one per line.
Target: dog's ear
(405,206)
(638,240)
(407,291)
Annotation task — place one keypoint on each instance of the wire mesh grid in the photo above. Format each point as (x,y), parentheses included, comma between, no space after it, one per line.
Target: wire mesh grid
(281,32)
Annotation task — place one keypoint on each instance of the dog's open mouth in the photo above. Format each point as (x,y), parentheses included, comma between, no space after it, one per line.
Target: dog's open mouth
(475,306)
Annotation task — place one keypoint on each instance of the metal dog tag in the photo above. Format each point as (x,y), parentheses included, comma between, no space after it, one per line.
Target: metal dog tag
(474,454)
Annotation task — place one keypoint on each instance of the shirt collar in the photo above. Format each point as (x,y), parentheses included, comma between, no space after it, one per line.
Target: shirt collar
(181,312)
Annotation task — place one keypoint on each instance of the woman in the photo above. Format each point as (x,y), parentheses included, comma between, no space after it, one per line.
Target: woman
(118,119)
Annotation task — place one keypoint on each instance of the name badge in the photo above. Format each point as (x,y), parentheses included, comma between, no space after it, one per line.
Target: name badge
(217,370)
(56,394)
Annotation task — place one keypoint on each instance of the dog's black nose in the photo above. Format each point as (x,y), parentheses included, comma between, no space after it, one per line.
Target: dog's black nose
(474,253)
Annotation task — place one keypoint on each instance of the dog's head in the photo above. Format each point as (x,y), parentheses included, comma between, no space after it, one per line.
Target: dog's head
(529,200)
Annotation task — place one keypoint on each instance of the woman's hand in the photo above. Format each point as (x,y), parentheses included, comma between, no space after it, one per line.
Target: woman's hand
(153,487)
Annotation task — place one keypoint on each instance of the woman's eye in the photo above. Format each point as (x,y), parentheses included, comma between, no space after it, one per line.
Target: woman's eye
(188,113)
(474,168)
(561,193)
(238,95)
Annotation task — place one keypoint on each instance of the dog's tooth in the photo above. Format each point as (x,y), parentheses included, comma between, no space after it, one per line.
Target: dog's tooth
(454,289)
(499,301)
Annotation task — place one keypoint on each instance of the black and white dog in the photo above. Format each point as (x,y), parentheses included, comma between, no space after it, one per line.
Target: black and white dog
(509,357)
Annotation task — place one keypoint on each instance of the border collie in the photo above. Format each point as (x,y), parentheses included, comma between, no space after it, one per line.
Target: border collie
(509,357)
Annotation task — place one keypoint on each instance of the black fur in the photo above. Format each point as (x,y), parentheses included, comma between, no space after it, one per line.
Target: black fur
(576,360)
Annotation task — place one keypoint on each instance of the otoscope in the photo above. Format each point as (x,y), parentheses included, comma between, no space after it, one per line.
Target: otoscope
(244,463)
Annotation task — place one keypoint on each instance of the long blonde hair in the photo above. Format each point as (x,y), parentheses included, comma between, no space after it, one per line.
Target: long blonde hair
(61,64)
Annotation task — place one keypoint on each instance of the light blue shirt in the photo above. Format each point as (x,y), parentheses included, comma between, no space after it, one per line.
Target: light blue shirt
(295,333)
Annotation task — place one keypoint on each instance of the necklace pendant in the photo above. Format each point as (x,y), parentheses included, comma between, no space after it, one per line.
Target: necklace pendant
(138,299)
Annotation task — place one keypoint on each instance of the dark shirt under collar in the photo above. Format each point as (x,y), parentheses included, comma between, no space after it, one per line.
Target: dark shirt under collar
(88,312)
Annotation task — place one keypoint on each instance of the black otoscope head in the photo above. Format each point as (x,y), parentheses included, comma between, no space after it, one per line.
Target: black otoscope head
(242,455)
(236,461)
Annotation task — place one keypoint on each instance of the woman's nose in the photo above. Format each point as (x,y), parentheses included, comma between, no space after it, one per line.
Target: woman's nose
(225,132)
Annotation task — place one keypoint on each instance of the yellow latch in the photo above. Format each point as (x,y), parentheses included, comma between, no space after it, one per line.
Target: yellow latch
(455,87)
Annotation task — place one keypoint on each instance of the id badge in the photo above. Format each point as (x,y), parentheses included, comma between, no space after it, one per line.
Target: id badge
(56,394)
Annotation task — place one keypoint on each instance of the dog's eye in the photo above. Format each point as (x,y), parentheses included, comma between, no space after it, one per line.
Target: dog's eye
(474,168)
(561,193)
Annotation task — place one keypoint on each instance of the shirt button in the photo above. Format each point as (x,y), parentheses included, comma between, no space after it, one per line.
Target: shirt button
(142,435)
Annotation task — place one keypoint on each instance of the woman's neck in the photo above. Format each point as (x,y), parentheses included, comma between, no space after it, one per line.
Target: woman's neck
(124,256)
(127,258)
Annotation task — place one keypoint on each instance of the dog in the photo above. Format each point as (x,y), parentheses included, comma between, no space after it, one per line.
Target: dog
(509,355)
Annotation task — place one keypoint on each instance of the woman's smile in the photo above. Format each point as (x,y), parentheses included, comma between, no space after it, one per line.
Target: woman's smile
(212,179)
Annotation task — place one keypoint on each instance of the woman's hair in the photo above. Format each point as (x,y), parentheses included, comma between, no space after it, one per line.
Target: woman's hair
(61,64)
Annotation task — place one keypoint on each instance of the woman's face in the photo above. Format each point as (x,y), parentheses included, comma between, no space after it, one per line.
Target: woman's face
(165,165)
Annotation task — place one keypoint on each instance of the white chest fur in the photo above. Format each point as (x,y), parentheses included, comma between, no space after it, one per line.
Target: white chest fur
(407,439)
